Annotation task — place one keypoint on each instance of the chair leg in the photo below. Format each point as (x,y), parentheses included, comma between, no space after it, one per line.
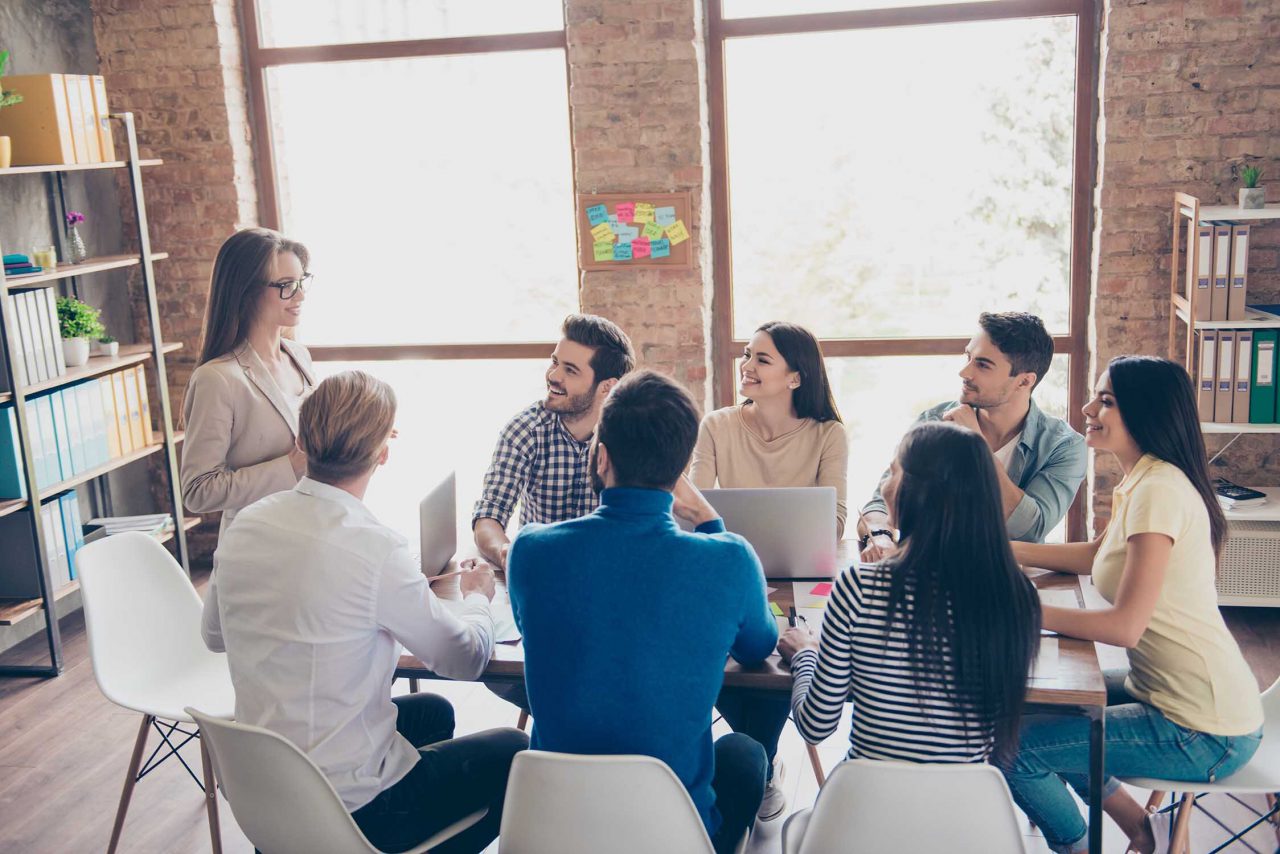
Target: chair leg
(1182,827)
(139,745)
(413,685)
(816,763)
(1153,802)
(210,798)
(523,720)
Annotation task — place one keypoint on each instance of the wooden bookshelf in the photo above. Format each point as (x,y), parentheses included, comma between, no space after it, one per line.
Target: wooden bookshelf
(12,505)
(1217,214)
(130,354)
(157,445)
(84,268)
(1253,318)
(73,167)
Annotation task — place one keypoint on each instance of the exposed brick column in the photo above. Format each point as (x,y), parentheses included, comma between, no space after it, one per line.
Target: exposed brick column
(1190,90)
(177,66)
(638,121)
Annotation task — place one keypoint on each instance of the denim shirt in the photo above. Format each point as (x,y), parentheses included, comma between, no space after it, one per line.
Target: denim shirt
(1048,465)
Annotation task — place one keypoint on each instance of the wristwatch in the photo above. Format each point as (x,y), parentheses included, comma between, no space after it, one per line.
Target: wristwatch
(864,540)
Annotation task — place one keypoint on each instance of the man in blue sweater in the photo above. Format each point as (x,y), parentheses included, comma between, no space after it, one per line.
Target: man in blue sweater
(627,620)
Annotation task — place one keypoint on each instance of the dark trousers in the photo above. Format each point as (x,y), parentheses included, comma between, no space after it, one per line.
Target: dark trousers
(761,716)
(739,786)
(453,778)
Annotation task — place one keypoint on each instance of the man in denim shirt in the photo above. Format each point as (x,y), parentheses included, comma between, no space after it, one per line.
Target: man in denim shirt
(1040,460)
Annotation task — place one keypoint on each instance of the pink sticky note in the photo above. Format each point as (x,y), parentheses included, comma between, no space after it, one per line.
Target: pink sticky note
(640,247)
(823,589)
(626,211)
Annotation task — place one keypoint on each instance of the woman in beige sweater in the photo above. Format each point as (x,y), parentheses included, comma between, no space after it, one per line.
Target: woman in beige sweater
(787,432)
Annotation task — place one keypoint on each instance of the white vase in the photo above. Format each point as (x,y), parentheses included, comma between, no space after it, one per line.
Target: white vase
(75,351)
(111,349)
(1253,198)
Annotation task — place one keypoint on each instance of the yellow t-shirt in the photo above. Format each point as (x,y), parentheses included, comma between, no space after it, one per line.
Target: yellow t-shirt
(1186,663)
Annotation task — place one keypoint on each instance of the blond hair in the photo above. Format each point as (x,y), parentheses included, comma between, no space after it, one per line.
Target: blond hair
(344,424)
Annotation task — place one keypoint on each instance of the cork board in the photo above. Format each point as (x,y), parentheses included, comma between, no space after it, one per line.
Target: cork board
(619,231)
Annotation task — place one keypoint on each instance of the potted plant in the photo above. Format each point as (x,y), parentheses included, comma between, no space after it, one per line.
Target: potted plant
(78,323)
(75,244)
(1251,195)
(105,345)
(7,99)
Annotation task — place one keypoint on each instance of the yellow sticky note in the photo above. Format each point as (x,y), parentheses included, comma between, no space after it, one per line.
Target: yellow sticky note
(644,212)
(773,606)
(677,233)
(603,251)
(651,230)
(602,233)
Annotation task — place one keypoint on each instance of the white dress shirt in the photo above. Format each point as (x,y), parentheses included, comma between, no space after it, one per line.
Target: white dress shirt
(308,597)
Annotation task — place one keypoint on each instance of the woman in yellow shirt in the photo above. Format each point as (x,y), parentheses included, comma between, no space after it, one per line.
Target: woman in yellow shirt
(1189,708)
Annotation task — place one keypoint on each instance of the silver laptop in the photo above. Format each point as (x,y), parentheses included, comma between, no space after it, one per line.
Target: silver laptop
(438,517)
(793,530)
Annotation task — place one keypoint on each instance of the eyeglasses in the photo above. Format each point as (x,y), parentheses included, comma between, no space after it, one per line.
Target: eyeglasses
(289,288)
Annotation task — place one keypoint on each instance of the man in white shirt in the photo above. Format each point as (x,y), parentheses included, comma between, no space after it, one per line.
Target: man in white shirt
(310,594)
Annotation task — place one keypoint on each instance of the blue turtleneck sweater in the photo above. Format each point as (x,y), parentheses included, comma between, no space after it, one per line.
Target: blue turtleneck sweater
(627,623)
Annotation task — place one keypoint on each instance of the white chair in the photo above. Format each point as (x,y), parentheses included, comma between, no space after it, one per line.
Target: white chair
(558,803)
(284,804)
(1260,776)
(143,621)
(872,806)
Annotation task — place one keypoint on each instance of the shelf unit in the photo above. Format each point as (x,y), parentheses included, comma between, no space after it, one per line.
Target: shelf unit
(1188,213)
(163,442)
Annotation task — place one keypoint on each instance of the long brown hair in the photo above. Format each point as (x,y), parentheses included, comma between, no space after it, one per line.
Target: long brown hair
(243,266)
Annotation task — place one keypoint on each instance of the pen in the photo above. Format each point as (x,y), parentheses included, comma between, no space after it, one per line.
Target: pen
(791,618)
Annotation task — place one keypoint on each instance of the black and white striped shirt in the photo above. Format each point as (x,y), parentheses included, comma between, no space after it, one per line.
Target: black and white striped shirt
(901,709)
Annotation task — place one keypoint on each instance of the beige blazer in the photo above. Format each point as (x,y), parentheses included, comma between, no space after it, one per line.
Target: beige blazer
(239,428)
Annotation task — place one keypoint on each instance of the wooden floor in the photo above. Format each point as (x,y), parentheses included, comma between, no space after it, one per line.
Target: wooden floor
(64,748)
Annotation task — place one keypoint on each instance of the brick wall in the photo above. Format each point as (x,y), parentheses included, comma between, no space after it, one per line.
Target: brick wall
(177,66)
(1190,91)
(638,123)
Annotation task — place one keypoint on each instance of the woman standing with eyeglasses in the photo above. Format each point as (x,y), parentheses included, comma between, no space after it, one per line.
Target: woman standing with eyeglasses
(242,402)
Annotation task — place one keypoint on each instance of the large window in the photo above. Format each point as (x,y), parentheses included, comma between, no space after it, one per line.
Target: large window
(885,171)
(420,149)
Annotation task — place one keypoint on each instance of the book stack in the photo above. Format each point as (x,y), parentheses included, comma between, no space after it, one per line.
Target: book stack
(76,429)
(19,265)
(154,524)
(61,120)
(63,538)
(36,336)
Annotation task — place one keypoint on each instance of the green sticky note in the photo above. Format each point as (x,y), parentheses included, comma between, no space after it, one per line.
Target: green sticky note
(773,606)
(603,251)
(652,230)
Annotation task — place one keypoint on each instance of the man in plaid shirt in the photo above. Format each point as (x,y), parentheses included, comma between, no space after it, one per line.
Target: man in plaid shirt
(541,457)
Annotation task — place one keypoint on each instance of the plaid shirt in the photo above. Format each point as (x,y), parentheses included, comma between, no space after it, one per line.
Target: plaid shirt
(538,462)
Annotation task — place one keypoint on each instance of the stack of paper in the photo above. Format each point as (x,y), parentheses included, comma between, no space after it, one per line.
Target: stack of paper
(154,523)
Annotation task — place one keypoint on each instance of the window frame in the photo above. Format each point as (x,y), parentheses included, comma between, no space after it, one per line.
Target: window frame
(1074,344)
(258,58)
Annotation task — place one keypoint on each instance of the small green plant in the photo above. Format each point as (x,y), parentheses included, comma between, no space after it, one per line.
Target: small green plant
(106,339)
(8,97)
(77,320)
(1250,175)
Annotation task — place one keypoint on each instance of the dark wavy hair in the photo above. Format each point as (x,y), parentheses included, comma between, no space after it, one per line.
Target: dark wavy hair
(800,350)
(242,268)
(969,601)
(1022,338)
(1158,407)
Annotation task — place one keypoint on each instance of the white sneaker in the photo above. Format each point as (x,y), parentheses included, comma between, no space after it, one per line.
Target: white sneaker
(774,802)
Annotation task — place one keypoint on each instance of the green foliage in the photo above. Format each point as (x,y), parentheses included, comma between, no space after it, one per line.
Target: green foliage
(77,320)
(1250,175)
(105,339)
(8,97)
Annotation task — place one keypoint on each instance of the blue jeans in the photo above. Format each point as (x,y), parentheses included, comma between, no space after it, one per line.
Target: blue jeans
(738,782)
(1140,742)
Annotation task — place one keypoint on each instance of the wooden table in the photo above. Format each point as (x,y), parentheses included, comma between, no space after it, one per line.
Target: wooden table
(1076,688)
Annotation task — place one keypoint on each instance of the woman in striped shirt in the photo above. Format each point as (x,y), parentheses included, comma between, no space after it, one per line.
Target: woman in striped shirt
(934,645)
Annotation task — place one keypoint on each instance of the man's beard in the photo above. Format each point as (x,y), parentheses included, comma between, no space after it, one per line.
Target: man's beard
(571,405)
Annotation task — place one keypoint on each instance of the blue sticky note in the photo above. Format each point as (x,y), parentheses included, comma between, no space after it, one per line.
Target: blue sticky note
(622,252)
(659,248)
(664,216)
(597,214)
(627,233)
(613,223)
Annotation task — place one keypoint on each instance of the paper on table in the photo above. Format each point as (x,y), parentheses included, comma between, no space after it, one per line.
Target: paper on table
(1059,598)
(806,596)
(504,620)
(822,589)
(1046,664)
(771,590)
(773,606)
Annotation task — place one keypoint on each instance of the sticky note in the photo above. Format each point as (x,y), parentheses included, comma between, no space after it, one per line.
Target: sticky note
(676,233)
(652,230)
(823,589)
(622,251)
(773,606)
(625,210)
(603,251)
(643,213)
(664,216)
(627,233)
(660,248)
(602,233)
(640,247)
(613,223)
(597,214)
